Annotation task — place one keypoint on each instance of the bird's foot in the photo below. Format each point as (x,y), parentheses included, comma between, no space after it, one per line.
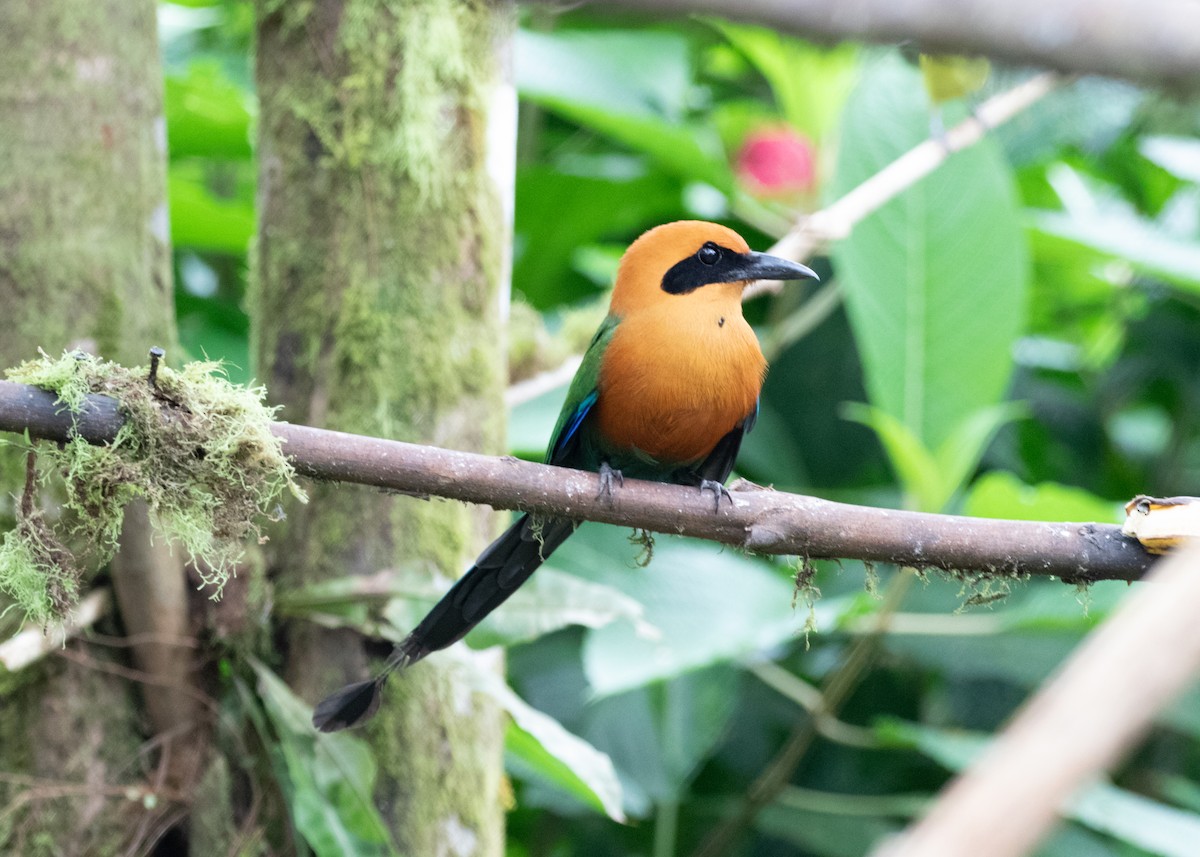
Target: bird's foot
(609,479)
(718,490)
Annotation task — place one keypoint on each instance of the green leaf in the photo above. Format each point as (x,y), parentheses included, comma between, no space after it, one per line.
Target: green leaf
(390,603)
(1096,215)
(207,114)
(936,279)
(810,83)
(620,71)
(825,834)
(693,712)
(1021,658)
(915,466)
(689,150)
(630,86)
(1145,823)
(1125,235)
(711,606)
(1088,114)
(552,600)
(1179,156)
(330,777)
(201,219)
(540,746)
(558,213)
(932,479)
(1000,494)
(960,452)
(658,735)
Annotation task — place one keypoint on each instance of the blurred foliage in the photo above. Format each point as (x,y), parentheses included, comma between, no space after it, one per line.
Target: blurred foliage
(1024,326)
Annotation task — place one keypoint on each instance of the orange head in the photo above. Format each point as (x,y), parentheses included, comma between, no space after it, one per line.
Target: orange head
(678,260)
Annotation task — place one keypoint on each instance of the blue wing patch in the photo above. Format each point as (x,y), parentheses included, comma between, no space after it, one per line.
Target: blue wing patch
(573,424)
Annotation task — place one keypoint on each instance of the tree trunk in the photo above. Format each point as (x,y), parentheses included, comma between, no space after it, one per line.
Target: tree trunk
(380,264)
(84,263)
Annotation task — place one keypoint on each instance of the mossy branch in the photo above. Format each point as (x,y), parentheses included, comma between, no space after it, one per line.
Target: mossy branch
(197,448)
(759,520)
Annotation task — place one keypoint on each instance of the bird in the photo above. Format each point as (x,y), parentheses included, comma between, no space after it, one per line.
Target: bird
(666,391)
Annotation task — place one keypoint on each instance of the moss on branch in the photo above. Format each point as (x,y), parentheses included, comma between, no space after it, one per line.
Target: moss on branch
(196,447)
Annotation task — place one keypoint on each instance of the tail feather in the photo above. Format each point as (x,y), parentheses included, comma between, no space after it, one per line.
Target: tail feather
(506,564)
(500,570)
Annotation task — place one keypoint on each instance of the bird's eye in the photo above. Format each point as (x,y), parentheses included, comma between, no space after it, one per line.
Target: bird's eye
(709,254)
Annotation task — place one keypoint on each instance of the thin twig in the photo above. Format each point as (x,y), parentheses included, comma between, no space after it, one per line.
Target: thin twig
(140,676)
(529,389)
(759,520)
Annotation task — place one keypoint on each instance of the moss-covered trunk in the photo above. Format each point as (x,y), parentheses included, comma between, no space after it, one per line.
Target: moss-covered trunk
(379,270)
(84,263)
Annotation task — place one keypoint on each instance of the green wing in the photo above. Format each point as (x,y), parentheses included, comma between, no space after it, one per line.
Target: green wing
(581,398)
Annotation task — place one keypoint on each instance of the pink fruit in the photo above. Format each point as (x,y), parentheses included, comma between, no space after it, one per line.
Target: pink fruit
(776,161)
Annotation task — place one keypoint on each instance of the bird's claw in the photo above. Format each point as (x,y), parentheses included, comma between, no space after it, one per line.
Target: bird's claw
(609,478)
(718,490)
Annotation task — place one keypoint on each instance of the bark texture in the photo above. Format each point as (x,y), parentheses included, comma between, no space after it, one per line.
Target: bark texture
(379,267)
(84,263)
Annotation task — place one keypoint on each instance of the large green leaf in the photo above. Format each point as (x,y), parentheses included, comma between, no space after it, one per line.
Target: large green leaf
(936,279)
(1095,214)
(711,605)
(621,71)
(931,478)
(557,214)
(538,745)
(330,778)
(658,735)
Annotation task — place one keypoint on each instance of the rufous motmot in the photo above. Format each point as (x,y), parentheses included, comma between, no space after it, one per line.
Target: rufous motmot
(666,390)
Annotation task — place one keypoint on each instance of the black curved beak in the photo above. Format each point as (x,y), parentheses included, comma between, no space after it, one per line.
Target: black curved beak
(760,266)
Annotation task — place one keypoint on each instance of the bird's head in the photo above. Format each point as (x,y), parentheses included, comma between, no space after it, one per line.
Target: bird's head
(677,261)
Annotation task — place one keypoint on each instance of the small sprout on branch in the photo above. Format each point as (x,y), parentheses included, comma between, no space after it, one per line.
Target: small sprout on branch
(871,581)
(156,354)
(806,590)
(643,539)
(985,588)
(196,447)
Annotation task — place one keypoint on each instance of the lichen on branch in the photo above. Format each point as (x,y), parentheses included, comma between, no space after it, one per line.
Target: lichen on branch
(196,447)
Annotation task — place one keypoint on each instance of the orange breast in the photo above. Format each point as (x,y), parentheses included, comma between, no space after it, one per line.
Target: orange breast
(679,376)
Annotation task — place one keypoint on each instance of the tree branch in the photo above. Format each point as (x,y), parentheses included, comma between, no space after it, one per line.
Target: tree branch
(759,520)
(1142,40)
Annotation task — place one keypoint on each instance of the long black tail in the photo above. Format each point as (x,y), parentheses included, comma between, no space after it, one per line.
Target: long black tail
(498,572)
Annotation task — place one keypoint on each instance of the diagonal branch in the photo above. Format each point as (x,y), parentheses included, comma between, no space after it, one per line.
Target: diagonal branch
(759,520)
(838,219)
